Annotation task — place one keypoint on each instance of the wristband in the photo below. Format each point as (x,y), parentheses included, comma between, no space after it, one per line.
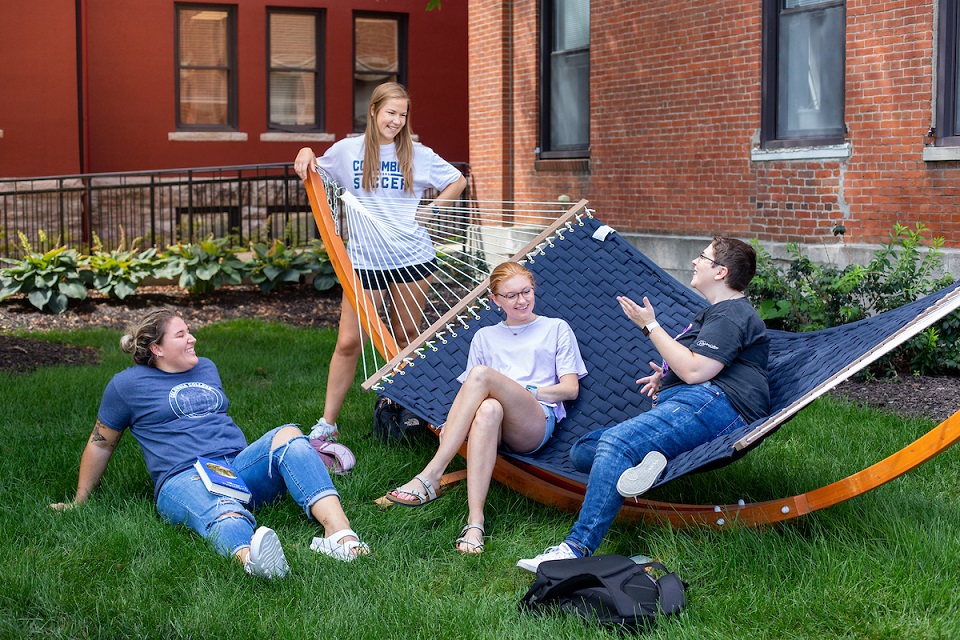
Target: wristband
(435,209)
(650,327)
(532,389)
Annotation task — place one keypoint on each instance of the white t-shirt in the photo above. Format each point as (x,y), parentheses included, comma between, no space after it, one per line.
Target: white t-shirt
(389,237)
(535,354)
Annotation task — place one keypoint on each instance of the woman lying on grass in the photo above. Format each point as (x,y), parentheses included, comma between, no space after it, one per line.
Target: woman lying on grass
(518,374)
(174,404)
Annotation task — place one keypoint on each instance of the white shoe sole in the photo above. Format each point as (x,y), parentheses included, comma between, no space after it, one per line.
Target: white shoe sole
(528,564)
(266,559)
(637,480)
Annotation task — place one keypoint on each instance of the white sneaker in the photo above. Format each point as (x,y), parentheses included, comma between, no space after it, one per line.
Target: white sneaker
(560,552)
(638,480)
(266,558)
(323,430)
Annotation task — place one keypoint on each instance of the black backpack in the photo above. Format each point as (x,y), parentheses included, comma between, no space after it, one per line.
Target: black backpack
(610,589)
(393,422)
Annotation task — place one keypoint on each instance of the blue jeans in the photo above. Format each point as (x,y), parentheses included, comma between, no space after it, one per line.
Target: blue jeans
(685,416)
(293,467)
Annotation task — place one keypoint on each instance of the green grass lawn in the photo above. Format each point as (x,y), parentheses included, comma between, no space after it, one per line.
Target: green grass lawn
(884,565)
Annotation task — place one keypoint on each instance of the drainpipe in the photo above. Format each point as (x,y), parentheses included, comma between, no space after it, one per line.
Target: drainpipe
(82,132)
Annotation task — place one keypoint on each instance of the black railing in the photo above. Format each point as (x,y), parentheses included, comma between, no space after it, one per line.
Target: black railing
(250,202)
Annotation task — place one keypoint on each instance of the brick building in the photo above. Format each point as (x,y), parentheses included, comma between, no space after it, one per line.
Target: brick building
(92,86)
(770,119)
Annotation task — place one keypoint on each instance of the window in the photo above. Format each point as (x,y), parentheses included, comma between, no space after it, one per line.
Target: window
(205,41)
(565,79)
(803,73)
(948,74)
(294,44)
(379,55)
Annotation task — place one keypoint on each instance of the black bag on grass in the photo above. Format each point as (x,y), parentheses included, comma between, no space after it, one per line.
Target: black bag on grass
(609,589)
(393,423)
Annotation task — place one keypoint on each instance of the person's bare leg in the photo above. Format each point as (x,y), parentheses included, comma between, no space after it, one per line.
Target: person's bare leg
(343,363)
(481,458)
(406,310)
(482,383)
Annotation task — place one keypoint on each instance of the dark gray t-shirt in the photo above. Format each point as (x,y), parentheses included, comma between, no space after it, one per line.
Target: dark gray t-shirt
(732,332)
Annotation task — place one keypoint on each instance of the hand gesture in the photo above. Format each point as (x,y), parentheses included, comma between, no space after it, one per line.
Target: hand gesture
(651,383)
(639,315)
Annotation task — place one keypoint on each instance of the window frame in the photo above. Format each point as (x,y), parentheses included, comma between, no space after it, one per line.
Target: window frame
(544,152)
(318,70)
(770,57)
(232,123)
(402,55)
(948,66)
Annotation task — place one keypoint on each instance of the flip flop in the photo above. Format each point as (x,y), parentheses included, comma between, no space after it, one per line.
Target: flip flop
(419,498)
(475,547)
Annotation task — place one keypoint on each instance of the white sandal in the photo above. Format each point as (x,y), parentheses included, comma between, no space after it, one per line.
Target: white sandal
(341,551)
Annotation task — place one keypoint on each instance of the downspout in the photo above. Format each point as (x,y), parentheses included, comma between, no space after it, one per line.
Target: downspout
(82,132)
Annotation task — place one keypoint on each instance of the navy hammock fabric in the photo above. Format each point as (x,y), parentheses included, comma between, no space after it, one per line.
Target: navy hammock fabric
(578,278)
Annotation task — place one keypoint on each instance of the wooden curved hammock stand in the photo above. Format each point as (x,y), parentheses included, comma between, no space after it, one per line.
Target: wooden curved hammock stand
(803,367)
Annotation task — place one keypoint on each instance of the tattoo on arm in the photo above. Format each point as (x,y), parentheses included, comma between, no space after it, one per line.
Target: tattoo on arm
(97,436)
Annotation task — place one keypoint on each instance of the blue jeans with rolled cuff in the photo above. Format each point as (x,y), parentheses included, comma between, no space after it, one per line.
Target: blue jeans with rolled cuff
(684,417)
(293,468)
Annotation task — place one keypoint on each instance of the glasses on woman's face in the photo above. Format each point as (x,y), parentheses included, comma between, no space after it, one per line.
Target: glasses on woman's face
(715,263)
(526,293)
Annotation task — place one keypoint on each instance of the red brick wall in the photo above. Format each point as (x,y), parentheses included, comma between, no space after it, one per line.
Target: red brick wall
(675,111)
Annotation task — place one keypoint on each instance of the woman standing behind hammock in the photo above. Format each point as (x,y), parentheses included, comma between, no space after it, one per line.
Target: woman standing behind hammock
(393,255)
(518,374)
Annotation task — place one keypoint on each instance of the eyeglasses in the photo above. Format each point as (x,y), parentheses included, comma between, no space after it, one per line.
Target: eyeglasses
(526,293)
(715,263)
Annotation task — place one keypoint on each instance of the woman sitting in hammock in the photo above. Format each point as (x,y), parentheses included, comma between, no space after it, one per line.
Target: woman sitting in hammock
(392,254)
(518,374)
(713,380)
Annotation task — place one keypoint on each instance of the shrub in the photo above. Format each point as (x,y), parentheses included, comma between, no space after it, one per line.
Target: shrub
(117,273)
(810,296)
(325,277)
(271,266)
(204,266)
(48,278)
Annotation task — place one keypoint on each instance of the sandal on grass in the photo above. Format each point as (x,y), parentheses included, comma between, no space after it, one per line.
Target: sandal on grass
(334,548)
(475,547)
(419,499)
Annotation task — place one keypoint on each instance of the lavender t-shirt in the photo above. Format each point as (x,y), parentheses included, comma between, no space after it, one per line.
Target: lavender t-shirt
(534,354)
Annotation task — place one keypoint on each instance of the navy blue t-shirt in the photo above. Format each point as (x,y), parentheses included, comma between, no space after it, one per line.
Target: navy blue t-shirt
(732,333)
(175,417)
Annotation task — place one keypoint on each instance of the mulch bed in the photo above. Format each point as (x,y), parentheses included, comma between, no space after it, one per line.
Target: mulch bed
(933,397)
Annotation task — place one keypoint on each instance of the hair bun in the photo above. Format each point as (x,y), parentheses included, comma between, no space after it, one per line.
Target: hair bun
(128,343)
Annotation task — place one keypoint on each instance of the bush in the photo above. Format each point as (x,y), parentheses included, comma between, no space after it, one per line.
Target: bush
(809,296)
(202,267)
(48,278)
(325,277)
(274,265)
(117,273)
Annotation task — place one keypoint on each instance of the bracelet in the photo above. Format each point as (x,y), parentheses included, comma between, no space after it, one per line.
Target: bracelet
(532,389)
(435,209)
(650,327)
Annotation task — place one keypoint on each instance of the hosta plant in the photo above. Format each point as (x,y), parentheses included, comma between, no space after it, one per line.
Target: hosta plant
(203,266)
(117,273)
(49,278)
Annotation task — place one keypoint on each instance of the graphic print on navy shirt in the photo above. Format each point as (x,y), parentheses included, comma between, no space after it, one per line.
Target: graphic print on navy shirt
(195,400)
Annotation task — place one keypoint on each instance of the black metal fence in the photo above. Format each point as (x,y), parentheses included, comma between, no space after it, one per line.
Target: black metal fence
(250,202)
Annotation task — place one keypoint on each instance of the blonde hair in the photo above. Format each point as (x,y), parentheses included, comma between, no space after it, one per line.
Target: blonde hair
(371,138)
(506,270)
(147,331)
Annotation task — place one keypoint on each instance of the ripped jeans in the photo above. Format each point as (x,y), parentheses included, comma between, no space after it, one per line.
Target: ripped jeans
(293,468)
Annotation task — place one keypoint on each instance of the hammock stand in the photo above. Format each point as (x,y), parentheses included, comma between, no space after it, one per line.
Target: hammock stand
(581,265)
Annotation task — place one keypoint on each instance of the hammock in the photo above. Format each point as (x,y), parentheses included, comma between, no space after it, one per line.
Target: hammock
(580,266)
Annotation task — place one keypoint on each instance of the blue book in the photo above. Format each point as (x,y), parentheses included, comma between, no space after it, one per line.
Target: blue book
(222,479)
